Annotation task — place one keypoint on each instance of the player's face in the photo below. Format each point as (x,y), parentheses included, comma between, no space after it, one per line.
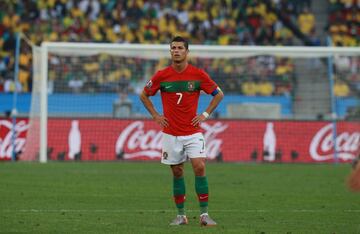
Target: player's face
(178,52)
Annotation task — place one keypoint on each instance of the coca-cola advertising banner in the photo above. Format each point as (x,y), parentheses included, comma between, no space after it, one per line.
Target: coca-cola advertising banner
(12,137)
(226,140)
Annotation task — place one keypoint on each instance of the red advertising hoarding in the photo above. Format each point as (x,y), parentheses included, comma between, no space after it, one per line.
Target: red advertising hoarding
(227,140)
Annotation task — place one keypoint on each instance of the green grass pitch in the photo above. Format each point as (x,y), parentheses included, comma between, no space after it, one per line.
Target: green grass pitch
(136,198)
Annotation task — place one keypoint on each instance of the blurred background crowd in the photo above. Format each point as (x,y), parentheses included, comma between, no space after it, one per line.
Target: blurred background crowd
(206,22)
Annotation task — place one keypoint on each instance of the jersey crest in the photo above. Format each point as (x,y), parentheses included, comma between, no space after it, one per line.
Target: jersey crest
(191,86)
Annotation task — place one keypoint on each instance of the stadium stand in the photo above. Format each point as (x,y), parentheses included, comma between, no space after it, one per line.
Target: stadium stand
(221,22)
(343,22)
(344,28)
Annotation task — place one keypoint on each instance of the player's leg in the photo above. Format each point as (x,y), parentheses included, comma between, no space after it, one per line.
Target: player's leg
(195,149)
(173,155)
(179,187)
(179,194)
(202,190)
(201,183)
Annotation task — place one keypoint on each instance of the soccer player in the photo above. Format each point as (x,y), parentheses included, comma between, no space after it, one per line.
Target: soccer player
(180,85)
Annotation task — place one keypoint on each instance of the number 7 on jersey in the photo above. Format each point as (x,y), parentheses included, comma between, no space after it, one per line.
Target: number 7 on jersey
(180,97)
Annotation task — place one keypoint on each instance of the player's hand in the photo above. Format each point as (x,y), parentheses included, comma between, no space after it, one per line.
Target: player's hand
(198,119)
(161,120)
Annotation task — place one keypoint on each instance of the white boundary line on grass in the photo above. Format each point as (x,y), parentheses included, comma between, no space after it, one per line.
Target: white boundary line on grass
(169,211)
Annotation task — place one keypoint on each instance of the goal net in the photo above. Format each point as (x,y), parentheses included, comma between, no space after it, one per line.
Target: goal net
(86,95)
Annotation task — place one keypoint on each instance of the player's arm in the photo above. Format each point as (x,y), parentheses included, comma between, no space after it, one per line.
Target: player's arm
(161,120)
(212,106)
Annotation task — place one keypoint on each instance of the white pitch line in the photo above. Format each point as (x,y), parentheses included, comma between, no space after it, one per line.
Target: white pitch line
(171,211)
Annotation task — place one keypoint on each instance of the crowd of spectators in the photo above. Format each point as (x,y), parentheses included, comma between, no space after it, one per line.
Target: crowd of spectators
(261,75)
(344,29)
(344,22)
(212,22)
(347,70)
(150,21)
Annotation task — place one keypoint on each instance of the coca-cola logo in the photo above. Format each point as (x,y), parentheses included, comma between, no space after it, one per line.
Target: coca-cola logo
(137,142)
(7,142)
(134,138)
(322,146)
(213,144)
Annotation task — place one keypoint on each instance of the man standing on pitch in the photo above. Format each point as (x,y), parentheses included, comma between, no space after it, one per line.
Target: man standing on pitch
(180,85)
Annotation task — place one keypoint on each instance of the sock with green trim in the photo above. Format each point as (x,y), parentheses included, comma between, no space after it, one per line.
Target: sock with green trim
(179,194)
(202,190)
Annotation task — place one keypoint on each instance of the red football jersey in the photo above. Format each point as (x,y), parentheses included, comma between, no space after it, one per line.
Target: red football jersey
(180,95)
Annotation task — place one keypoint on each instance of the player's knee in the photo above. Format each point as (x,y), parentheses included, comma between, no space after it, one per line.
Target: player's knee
(199,169)
(177,171)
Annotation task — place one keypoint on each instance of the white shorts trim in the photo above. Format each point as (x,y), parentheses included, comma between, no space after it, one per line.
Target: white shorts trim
(177,149)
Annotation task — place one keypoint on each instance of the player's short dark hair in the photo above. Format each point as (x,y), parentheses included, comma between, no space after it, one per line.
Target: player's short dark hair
(180,39)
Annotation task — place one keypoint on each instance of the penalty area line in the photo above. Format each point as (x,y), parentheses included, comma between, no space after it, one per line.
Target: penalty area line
(171,211)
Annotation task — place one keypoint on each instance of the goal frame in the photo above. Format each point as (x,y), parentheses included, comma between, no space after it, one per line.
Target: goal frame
(162,50)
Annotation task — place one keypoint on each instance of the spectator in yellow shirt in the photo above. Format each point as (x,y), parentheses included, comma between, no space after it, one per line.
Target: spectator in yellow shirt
(306,21)
(341,89)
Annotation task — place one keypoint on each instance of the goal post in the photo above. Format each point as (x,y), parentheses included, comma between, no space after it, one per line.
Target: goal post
(156,51)
(94,70)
